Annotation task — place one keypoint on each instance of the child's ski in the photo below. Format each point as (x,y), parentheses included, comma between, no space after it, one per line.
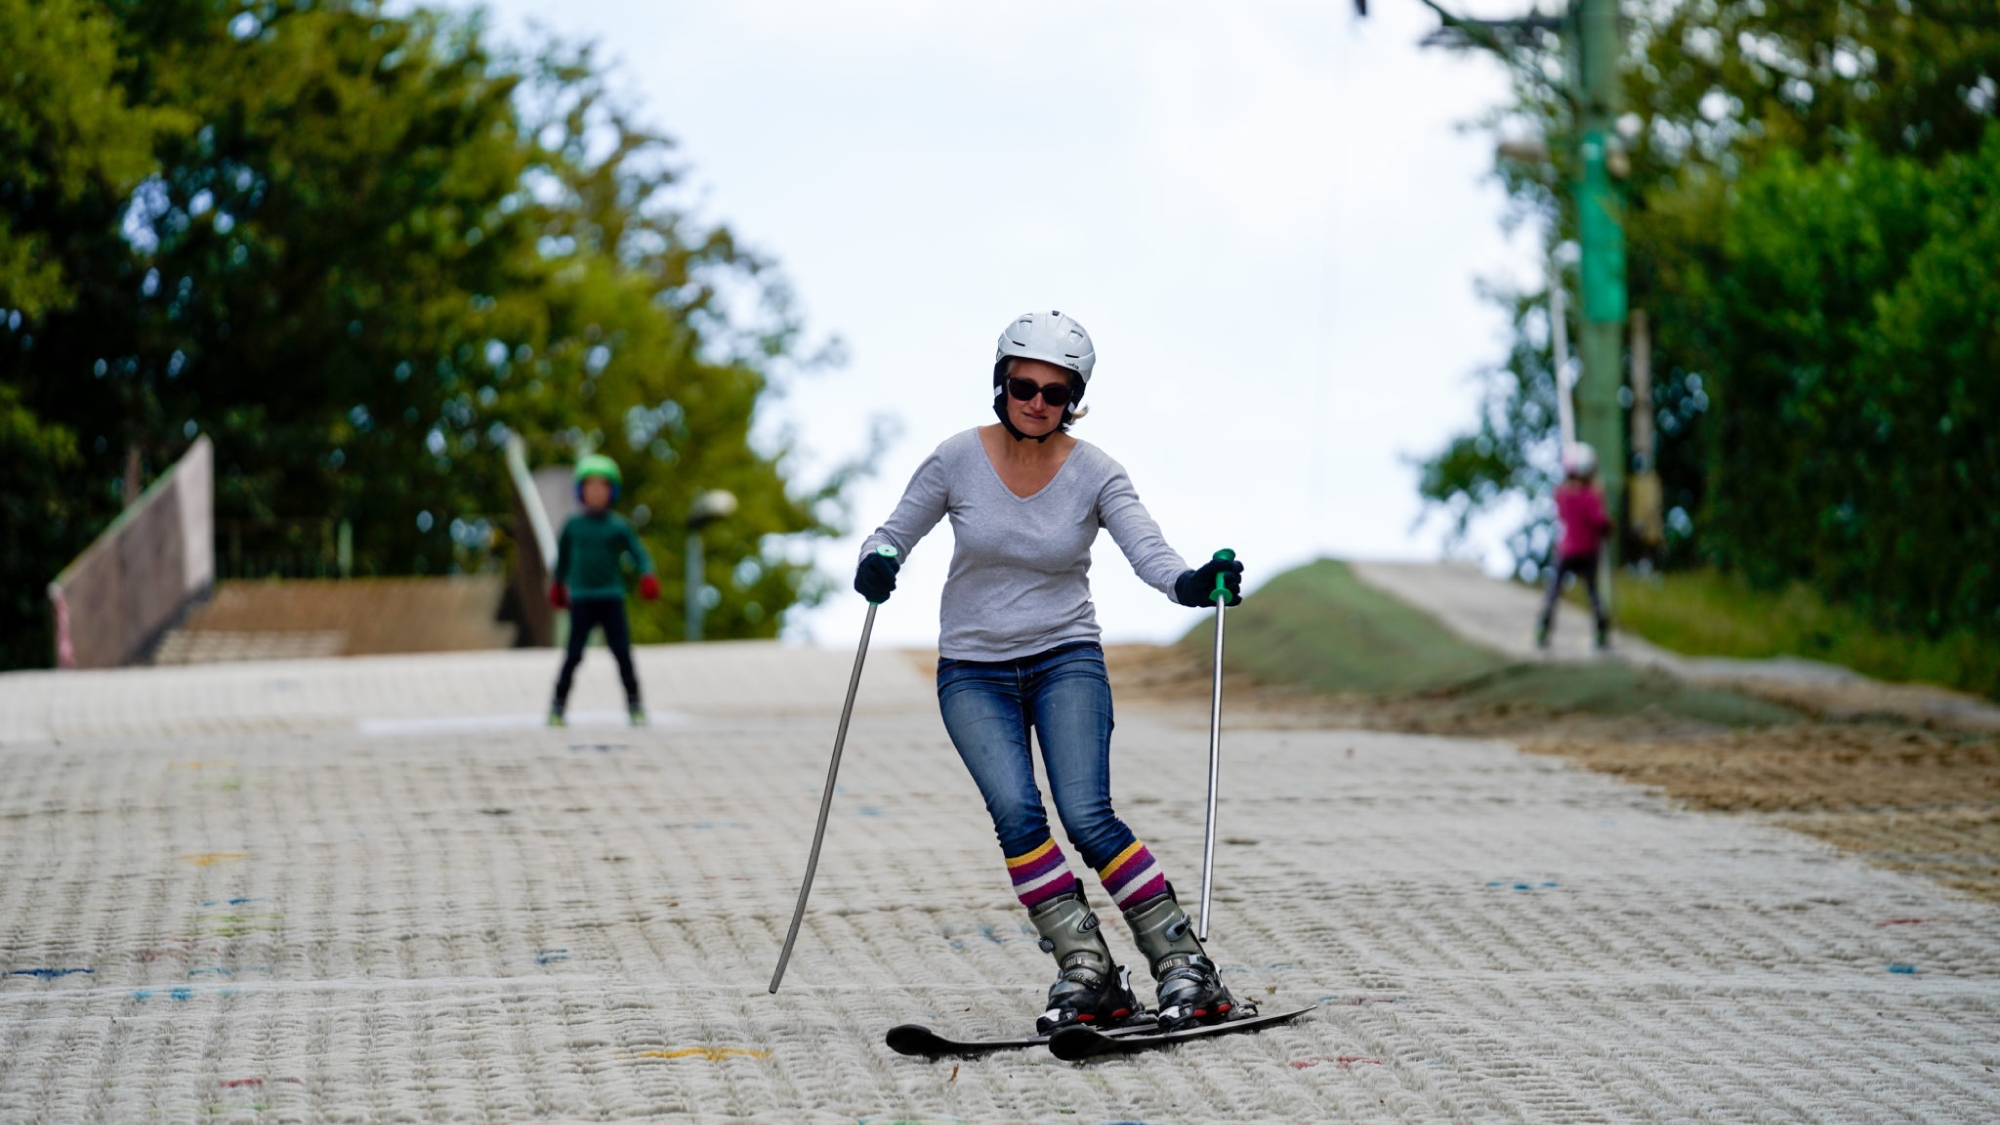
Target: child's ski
(1077,1043)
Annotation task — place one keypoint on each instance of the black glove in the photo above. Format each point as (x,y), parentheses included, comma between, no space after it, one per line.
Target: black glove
(875,578)
(1196,588)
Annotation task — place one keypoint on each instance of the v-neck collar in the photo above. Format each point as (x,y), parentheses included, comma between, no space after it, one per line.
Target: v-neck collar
(987,457)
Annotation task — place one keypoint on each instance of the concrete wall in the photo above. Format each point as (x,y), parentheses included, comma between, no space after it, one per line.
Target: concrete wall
(543,501)
(155,559)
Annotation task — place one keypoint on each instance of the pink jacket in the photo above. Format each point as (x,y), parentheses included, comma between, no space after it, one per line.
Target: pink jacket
(1580,508)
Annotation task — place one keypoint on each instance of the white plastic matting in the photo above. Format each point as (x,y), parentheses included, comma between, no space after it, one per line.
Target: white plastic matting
(217,908)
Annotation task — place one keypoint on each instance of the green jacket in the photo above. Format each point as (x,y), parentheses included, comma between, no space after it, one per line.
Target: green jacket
(589,552)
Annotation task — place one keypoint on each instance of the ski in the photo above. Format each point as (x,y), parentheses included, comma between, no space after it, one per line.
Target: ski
(1075,1044)
(916,1039)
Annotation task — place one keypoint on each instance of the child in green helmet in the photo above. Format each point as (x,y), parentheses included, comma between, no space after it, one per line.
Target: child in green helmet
(589,581)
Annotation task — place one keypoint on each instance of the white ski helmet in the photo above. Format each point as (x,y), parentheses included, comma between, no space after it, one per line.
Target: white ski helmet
(1579,460)
(1051,338)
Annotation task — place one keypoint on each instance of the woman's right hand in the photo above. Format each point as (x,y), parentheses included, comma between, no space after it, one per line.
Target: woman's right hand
(875,578)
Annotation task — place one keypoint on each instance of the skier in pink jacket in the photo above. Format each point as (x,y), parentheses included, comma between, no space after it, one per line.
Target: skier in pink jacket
(1580,511)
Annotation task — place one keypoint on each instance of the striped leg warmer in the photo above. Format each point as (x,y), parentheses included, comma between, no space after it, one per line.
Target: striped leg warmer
(1040,874)
(1132,877)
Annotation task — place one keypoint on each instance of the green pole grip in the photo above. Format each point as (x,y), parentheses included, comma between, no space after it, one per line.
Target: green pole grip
(1221,593)
(887,551)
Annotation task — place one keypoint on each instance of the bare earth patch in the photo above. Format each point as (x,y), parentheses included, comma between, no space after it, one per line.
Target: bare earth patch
(1902,791)
(1903,797)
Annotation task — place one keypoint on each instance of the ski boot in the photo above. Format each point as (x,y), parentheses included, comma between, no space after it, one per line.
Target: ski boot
(1191,992)
(556,719)
(1092,989)
(638,716)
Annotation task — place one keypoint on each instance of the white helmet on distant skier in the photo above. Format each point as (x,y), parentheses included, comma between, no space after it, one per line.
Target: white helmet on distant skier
(1579,460)
(1051,338)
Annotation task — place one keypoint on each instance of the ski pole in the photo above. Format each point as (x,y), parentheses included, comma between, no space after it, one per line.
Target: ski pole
(826,798)
(1221,597)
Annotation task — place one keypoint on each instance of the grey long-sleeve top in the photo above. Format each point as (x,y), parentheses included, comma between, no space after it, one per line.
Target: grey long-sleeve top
(1020,569)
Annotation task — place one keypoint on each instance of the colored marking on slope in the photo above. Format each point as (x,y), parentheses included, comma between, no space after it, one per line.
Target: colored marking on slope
(545,956)
(186,946)
(1904,921)
(211,859)
(47,974)
(1907,970)
(1344,1062)
(236,925)
(713,1054)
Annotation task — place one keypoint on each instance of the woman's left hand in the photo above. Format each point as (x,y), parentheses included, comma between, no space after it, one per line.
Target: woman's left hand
(1196,588)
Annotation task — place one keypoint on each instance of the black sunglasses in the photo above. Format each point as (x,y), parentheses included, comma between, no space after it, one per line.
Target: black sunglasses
(1055,394)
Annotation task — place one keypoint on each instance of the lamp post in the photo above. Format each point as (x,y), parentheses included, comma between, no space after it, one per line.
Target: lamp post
(708,507)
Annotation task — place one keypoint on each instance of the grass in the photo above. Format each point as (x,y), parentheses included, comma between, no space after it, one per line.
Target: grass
(1705,613)
(1319,628)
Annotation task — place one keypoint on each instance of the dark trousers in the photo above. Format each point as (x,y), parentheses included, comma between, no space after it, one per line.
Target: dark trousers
(608,614)
(1584,567)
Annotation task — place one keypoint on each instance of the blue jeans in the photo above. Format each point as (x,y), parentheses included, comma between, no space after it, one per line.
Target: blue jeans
(1065,696)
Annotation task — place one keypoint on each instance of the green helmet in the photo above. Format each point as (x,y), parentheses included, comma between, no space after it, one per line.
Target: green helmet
(598,465)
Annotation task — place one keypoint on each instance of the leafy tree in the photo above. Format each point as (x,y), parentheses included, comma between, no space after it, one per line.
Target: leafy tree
(373,249)
(71,148)
(1717,91)
(1857,444)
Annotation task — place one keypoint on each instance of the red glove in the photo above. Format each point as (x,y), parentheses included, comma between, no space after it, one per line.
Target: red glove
(649,587)
(559,596)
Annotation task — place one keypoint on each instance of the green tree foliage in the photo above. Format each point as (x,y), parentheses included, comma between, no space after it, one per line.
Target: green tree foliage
(359,250)
(68,141)
(1733,106)
(1858,417)
(71,149)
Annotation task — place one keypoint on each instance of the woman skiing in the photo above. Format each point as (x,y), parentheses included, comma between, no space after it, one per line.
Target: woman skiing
(1018,647)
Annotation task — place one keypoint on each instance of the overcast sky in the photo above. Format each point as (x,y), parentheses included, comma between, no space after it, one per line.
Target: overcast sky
(1267,215)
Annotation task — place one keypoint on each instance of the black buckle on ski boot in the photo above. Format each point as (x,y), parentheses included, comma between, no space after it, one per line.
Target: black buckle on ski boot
(1192,993)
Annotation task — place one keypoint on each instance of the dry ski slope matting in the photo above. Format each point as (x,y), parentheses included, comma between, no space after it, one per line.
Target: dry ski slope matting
(372,890)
